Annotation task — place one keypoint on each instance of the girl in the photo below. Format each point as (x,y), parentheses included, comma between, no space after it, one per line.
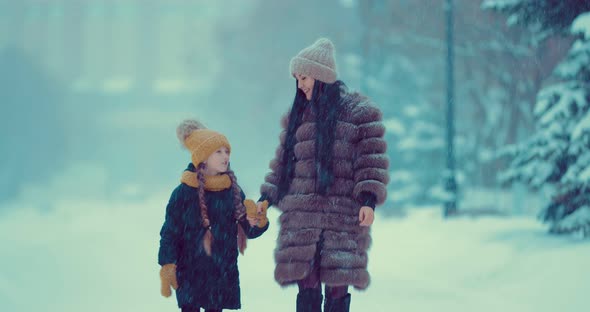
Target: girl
(206,224)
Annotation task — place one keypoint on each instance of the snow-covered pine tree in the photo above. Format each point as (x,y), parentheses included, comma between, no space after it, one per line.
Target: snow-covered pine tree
(558,154)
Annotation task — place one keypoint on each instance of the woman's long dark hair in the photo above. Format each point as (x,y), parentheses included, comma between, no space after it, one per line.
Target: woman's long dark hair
(324,102)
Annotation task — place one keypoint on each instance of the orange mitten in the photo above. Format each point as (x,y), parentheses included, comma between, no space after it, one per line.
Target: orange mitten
(252,212)
(262,219)
(168,279)
(251,209)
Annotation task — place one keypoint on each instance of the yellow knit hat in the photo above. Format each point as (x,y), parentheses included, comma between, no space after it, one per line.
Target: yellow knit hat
(200,141)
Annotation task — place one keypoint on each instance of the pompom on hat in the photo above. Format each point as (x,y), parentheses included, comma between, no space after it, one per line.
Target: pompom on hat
(199,140)
(316,61)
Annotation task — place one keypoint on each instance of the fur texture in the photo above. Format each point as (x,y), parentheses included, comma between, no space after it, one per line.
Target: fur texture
(330,222)
(185,129)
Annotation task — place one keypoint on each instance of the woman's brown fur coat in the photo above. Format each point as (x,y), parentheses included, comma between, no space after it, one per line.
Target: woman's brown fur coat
(310,221)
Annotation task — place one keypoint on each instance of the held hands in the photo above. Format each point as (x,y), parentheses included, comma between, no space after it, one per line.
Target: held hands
(251,213)
(366,216)
(256,213)
(168,279)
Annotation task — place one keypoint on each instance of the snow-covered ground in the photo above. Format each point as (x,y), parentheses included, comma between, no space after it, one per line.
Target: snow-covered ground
(98,255)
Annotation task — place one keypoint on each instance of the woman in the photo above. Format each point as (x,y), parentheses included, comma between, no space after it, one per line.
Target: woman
(329,172)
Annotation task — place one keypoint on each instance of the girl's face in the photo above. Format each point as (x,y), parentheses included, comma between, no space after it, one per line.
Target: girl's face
(217,162)
(305,83)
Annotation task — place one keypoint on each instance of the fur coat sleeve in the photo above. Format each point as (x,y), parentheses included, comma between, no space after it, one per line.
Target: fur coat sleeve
(371,162)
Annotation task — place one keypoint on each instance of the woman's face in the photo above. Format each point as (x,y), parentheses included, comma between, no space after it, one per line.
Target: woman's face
(305,83)
(217,162)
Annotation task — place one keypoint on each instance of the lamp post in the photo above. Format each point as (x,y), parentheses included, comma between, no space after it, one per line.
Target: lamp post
(450,205)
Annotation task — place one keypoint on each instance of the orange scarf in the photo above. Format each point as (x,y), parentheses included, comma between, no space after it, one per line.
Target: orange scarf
(214,183)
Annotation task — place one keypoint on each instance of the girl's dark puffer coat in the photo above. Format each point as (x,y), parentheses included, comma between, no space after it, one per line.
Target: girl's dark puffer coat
(204,281)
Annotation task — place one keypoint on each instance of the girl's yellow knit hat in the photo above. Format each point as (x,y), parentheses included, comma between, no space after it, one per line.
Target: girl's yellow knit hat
(199,140)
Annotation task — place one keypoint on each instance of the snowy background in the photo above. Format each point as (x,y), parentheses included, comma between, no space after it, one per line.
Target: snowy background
(103,259)
(91,93)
